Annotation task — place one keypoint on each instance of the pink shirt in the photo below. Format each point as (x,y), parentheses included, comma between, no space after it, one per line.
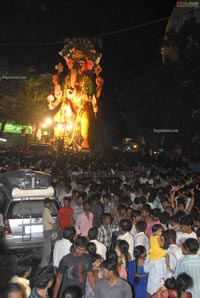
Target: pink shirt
(150,224)
(84,223)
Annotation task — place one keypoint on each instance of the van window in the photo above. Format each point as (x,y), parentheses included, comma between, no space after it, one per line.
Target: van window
(26,208)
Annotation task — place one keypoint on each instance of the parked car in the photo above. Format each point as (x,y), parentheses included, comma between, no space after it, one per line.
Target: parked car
(22,195)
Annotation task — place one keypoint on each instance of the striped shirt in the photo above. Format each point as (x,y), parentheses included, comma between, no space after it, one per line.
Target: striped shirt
(190,264)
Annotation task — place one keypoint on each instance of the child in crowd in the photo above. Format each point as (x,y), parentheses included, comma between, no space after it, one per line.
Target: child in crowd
(96,262)
(175,288)
(121,249)
(156,243)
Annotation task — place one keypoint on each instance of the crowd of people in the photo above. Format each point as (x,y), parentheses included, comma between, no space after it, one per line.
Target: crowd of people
(128,226)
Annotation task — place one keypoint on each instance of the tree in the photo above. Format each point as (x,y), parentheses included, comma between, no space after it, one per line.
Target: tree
(31,103)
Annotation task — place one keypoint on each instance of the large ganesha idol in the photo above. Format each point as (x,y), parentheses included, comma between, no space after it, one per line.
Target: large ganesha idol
(77,92)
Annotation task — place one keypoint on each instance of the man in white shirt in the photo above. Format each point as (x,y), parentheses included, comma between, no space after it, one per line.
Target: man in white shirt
(186,230)
(62,246)
(141,238)
(136,216)
(125,226)
(174,251)
(101,248)
(173,247)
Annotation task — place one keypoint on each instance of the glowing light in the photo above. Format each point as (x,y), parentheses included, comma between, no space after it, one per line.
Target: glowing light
(50,98)
(48,121)
(68,111)
(135,146)
(69,127)
(44,125)
(60,126)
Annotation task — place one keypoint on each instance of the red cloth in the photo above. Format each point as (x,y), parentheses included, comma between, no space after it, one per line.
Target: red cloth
(65,217)
(167,293)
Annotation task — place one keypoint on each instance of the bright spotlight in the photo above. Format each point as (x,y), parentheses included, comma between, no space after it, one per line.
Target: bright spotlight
(44,125)
(48,121)
(69,127)
(50,98)
(60,126)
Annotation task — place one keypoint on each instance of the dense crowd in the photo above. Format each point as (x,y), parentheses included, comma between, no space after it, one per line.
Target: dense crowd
(128,226)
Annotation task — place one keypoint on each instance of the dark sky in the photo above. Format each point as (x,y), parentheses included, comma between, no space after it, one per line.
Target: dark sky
(47,23)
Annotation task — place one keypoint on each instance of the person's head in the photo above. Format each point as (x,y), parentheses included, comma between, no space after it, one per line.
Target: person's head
(79,200)
(109,269)
(182,283)
(129,212)
(13,290)
(190,246)
(141,226)
(174,220)
(116,196)
(106,219)
(155,214)
(86,206)
(125,225)
(171,234)
(91,248)
(197,221)
(164,203)
(72,292)
(139,251)
(198,234)
(44,278)
(96,260)
(61,182)
(66,202)
(24,267)
(111,255)
(121,208)
(180,215)
(146,210)
(80,245)
(122,247)
(47,203)
(187,224)
(164,218)
(106,198)
(170,210)
(181,205)
(69,233)
(75,194)
(92,233)
(68,188)
(136,215)
(157,230)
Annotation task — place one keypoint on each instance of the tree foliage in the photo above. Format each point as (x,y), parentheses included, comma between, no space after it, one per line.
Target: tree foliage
(23,96)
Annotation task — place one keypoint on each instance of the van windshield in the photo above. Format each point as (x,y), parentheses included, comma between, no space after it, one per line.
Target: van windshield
(25,209)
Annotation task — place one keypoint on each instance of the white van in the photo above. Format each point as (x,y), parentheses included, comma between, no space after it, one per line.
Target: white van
(22,195)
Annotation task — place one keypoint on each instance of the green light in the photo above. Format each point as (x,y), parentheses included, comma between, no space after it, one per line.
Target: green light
(17,128)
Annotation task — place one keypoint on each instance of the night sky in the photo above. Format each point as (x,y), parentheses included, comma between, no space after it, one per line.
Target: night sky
(32,33)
